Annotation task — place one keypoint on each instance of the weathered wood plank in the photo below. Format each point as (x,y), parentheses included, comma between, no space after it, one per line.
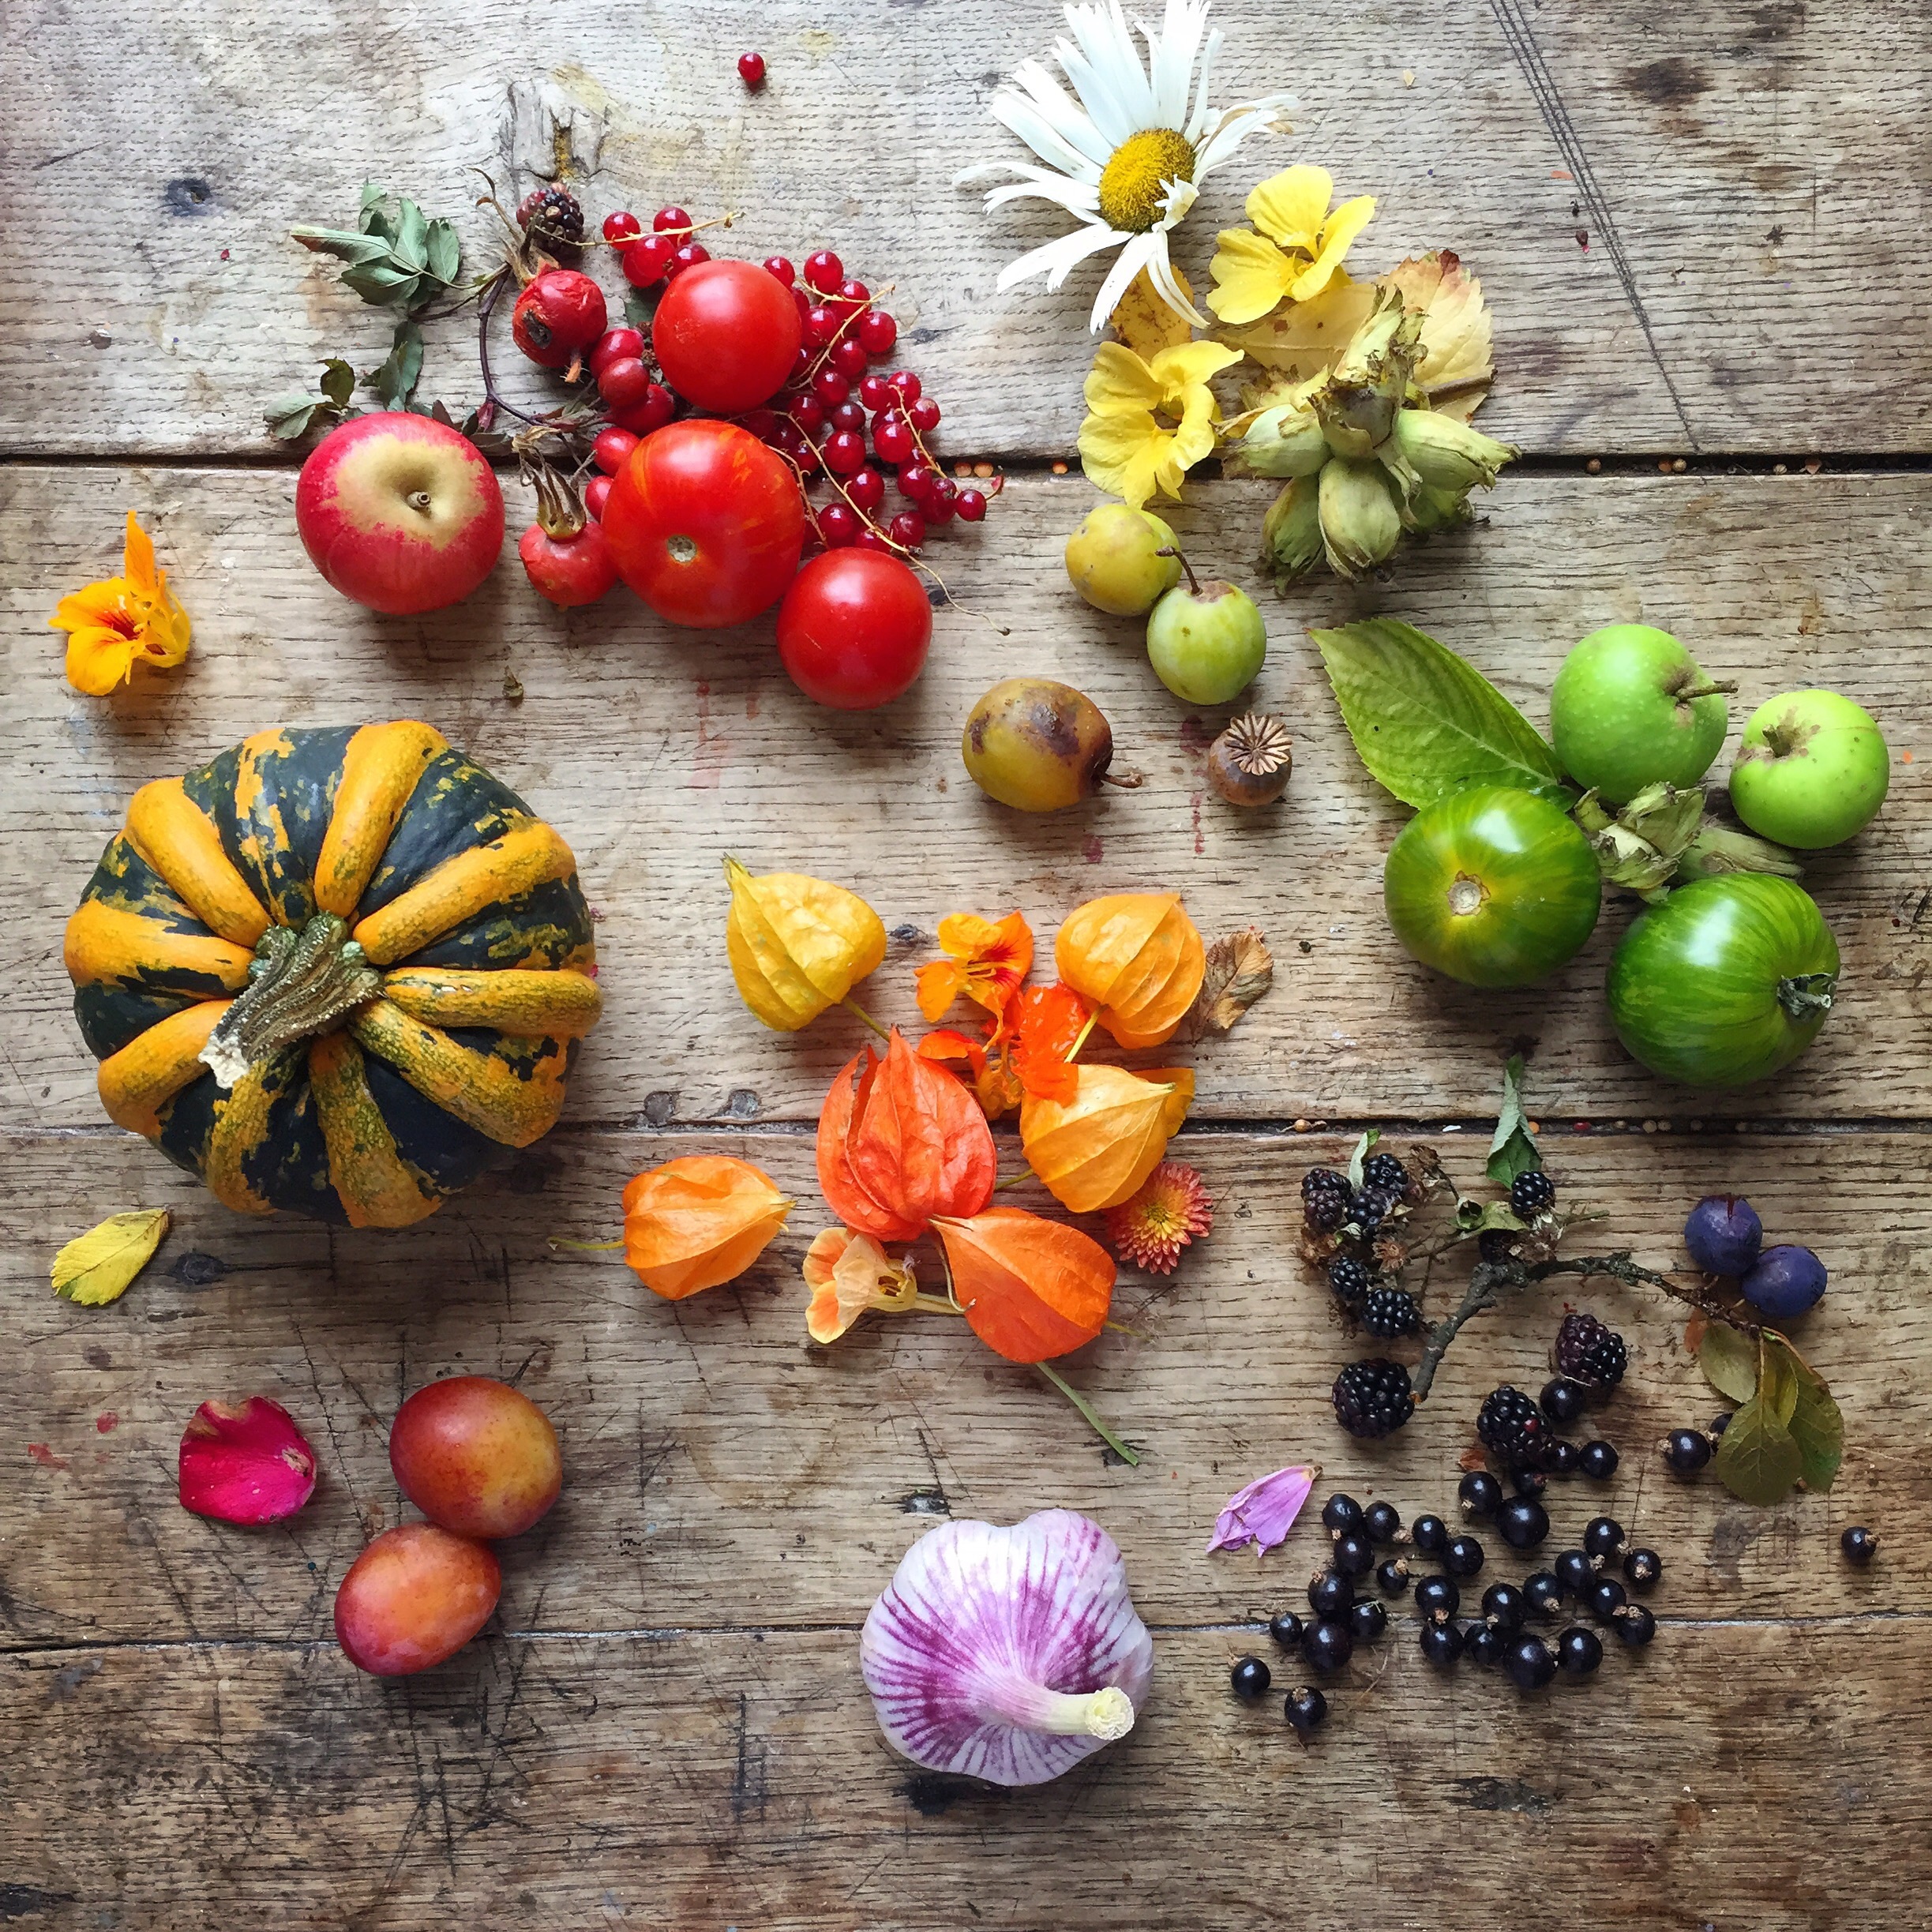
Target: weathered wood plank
(723,1471)
(656,752)
(1730,1775)
(1674,217)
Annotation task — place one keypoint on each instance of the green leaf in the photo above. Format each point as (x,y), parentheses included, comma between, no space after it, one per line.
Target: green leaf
(395,381)
(290,416)
(1512,1151)
(1818,1425)
(338,381)
(1777,1380)
(411,247)
(95,1268)
(639,306)
(341,243)
(1729,1362)
(1362,1148)
(1475,1217)
(1758,1460)
(374,217)
(378,282)
(445,252)
(1425,723)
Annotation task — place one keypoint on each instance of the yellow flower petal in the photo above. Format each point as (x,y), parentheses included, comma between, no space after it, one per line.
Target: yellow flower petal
(1251,275)
(1194,439)
(1290,205)
(1343,226)
(99,660)
(105,603)
(137,560)
(1121,455)
(1119,383)
(1187,365)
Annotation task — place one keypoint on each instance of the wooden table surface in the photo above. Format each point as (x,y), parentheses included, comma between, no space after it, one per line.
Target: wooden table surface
(1702,232)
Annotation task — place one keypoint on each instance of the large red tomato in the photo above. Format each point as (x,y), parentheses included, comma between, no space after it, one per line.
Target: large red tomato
(726,335)
(854,629)
(706,523)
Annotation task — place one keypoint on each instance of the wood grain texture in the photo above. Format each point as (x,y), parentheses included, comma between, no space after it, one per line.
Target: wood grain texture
(656,752)
(1694,227)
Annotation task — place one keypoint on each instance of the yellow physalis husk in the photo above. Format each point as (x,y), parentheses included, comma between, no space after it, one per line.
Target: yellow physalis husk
(1299,252)
(699,1220)
(797,945)
(848,1274)
(1138,958)
(95,1268)
(1095,1150)
(1150,422)
(121,621)
(1456,363)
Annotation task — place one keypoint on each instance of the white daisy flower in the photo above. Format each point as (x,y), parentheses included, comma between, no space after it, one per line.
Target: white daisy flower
(1129,155)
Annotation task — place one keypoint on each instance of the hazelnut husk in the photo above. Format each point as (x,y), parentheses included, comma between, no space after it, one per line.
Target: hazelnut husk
(1249,764)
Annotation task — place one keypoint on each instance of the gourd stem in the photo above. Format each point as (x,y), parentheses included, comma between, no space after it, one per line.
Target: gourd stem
(299,985)
(1806,995)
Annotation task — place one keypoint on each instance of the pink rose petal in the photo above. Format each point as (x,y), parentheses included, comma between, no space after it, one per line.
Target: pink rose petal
(1265,1512)
(247,1463)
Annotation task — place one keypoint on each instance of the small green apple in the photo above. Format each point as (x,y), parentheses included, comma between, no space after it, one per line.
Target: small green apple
(1116,562)
(1205,641)
(1630,707)
(1812,770)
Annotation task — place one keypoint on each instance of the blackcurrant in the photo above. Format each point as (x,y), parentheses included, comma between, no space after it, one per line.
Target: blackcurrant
(1485,1643)
(1529,1663)
(1441,1643)
(1250,1678)
(1306,1710)
(1479,1494)
(1286,1630)
(1602,1535)
(1328,1645)
(1392,1574)
(1859,1544)
(1635,1624)
(1607,1598)
(1505,1605)
(1341,1513)
(1529,1482)
(1330,1593)
(1642,1568)
(1561,1457)
(1575,1572)
(1720,1423)
(1463,1556)
(1545,1593)
(1562,1400)
(1524,1522)
(1353,1555)
(1438,1596)
(1368,1620)
(1578,1651)
(1430,1534)
(1686,1450)
(1383,1521)
(1598,1461)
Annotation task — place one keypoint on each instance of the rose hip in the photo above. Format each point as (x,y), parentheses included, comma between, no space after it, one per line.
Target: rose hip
(476,1456)
(624,383)
(416,1595)
(568,570)
(612,450)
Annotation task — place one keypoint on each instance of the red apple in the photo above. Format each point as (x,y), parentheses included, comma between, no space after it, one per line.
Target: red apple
(400,512)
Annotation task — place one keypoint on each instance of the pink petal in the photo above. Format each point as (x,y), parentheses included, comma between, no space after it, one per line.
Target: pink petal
(247,1463)
(1265,1511)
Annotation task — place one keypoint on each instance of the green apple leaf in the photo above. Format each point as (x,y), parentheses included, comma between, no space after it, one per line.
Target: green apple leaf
(394,382)
(1818,1425)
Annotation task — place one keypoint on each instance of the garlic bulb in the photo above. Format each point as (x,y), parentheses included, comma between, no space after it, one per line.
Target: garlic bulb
(1006,1654)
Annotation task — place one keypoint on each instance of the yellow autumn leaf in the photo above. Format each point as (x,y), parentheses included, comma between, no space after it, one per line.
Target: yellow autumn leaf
(1304,339)
(95,1268)
(1146,323)
(1457,363)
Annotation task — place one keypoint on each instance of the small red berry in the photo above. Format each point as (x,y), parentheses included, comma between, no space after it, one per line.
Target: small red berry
(925,416)
(824,271)
(853,296)
(763,423)
(892,439)
(916,479)
(645,262)
(612,346)
(971,507)
(848,357)
(866,488)
(906,384)
(612,449)
(621,224)
(831,388)
(907,530)
(778,266)
(688,257)
(807,458)
(870,540)
(874,392)
(848,415)
(668,220)
(595,492)
(808,412)
(878,331)
(752,69)
(624,382)
(802,363)
(789,437)
(821,325)
(837,526)
(941,500)
(844,452)
(657,408)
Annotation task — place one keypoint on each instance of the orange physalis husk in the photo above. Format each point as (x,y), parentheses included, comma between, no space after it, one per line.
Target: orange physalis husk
(122,621)
(985,961)
(1138,956)
(698,1220)
(1094,1151)
(797,945)
(993,1082)
(1048,1022)
(901,1141)
(848,1274)
(1031,1288)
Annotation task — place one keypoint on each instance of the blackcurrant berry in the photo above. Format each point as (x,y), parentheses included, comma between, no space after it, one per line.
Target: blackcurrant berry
(1545,1593)
(1328,1645)
(1441,1643)
(1430,1534)
(1330,1594)
(1484,1644)
(1529,1482)
(1578,1651)
(1529,1663)
(1686,1450)
(1575,1572)
(1250,1678)
(1561,1457)
(1306,1710)
(1635,1624)
(1463,1557)
(1598,1461)
(1860,1545)
(1286,1630)
(1642,1568)
(1607,1598)
(1353,1555)
(1383,1521)
(1720,1423)
(1368,1620)
(1479,1494)
(1505,1605)
(1340,1513)
(1562,1400)
(1602,1535)
(1392,1576)
(1438,1596)
(1524,1522)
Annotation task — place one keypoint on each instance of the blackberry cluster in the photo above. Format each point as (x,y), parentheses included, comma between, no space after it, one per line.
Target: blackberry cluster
(553,216)
(1512,1428)
(1326,1196)
(1588,1353)
(1386,1175)
(1532,1195)
(1388,1312)
(1350,1280)
(1372,1397)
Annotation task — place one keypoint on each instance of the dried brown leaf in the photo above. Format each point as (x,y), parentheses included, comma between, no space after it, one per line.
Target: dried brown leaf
(1239,970)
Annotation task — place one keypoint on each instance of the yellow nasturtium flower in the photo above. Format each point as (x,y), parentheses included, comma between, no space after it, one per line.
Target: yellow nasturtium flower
(1299,250)
(1149,422)
(121,621)
(798,944)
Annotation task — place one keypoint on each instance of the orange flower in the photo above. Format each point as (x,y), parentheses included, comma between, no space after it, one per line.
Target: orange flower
(112,625)
(1048,1024)
(993,1078)
(1094,1151)
(1030,1287)
(698,1220)
(848,1274)
(1138,956)
(985,961)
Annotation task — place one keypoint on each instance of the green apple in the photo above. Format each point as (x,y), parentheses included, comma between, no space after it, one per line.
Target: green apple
(1812,770)
(1205,641)
(1630,707)
(1116,562)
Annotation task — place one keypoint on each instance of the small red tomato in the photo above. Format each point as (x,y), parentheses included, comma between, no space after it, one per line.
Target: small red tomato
(558,316)
(568,570)
(615,345)
(612,450)
(706,523)
(597,491)
(725,334)
(624,383)
(853,628)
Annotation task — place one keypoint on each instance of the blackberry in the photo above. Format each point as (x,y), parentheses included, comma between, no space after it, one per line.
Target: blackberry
(1330,1594)
(1391,1311)
(1319,1181)
(1860,1545)
(1545,1593)
(1598,1461)
(1479,1494)
(1348,1279)
(1532,1193)
(1430,1534)
(1511,1428)
(1588,1353)
(1463,1557)
(1383,1522)
(1529,1663)
(1392,1576)
(1642,1568)
(1353,1555)
(1562,1400)
(1578,1651)
(1328,1645)
(1484,1644)
(1607,1598)
(1249,1677)
(1438,1596)
(1686,1450)
(1523,1522)
(1340,1513)
(1306,1710)
(1372,1397)
(1575,1572)
(1370,1208)
(1441,1643)
(1286,1631)
(1603,1537)
(1385,1174)
(1325,1204)
(553,217)
(1504,1606)
(1368,1620)
(1635,1624)
(1562,1456)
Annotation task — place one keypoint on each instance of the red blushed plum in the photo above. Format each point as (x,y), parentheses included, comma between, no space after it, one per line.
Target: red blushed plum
(416,1595)
(476,1457)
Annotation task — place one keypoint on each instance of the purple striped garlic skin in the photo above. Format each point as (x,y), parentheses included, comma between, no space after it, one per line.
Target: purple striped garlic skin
(1006,1654)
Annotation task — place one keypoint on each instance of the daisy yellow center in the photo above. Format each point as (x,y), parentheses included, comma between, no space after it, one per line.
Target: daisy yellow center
(1130,191)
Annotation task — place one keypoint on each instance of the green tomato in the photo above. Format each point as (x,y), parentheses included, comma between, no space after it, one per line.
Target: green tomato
(1206,642)
(1726,981)
(1623,713)
(1114,560)
(1494,886)
(1812,770)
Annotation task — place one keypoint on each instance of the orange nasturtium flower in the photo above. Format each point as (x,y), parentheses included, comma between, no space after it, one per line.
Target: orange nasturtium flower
(985,961)
(698,1220)
(1138,956)
(797,945)
(1094,1151)
(1030,1287)
(121,621)
(994,1081)
(848,1274)
(1049,1023)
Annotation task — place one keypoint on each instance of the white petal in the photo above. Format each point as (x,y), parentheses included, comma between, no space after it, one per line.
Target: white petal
(1132,259)
(1062,255)
(1038,90)
(1236,125)
(1015,111)
(1201,119)
(1104,66)
(1076,197)
(1161,273)
(1171,56)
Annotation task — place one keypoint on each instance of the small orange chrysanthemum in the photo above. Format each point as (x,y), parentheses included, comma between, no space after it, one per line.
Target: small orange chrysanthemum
(114,624)
(1171,1209)
(985,961)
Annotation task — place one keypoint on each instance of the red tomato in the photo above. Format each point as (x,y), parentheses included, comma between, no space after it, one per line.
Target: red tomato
(854,629)
(726,334)
(706,523)
(567,570)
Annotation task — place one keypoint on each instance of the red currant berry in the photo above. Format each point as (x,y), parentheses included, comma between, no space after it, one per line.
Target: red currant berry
(907,530)
(916,479)
(941,500)
(668,220)
(788,436)
(808,412)
(618,226)
(844,452)
(971,507)
(925,416)
(848,357)
(595,492)
(837,526)
(853,296)
(866,488)
(848,416)
(870,540)
(824,271)
(752,69)
(646,261)
(874,392)
(821,325)
(831,388)
(892,439)
(656,410)
(801,364)
(878,331)
(763,423)
(807,458)
(624,382)
(612,448)
(778,266)
(688,257)
(906,384)
(612,346)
